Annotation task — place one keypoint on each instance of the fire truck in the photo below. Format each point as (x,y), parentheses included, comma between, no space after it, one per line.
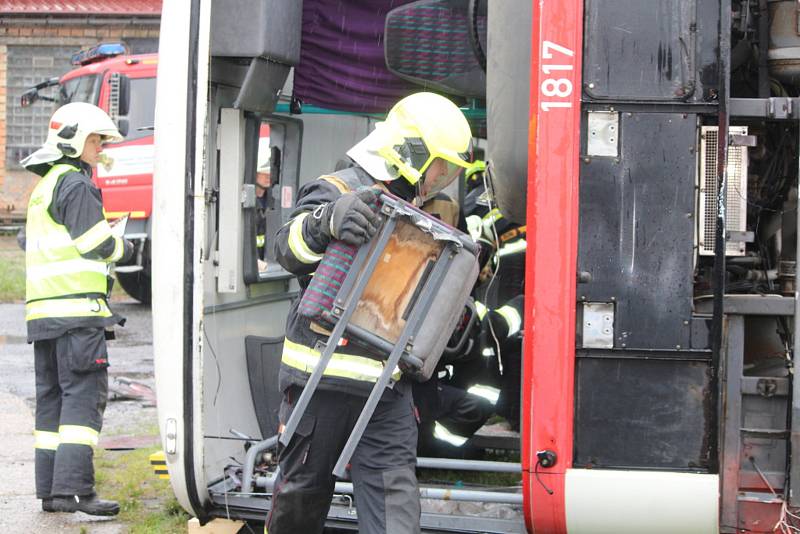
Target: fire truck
(651,150)
(124,86)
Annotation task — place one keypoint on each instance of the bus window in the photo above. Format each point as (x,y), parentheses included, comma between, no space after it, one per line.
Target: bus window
(272,150)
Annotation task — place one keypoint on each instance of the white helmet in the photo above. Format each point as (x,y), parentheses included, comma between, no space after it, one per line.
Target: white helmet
(69,127)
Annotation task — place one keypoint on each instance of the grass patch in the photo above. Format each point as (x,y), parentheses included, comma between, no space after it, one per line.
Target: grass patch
(147,504)
(12,273)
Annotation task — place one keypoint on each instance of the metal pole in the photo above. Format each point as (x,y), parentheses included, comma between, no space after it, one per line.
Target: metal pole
(763,49)
(250,460)
(718,278)
(338,330)
(469,465)
(794,459)
(377,341)
(443,494)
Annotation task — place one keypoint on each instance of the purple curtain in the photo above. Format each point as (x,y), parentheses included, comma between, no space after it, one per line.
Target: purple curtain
(342,64)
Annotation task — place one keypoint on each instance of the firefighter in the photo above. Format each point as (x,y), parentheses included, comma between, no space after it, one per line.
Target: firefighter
(68,250)
(421,147)
(499,296)
(263,203)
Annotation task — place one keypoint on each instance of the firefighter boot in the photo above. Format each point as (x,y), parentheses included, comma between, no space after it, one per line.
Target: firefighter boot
(88,504)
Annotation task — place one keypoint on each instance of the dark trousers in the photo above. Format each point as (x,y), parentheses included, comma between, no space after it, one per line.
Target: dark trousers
(382,467)
(71,393)
(459,412)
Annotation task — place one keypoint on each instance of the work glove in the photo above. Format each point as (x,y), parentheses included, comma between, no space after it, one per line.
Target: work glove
(351,219)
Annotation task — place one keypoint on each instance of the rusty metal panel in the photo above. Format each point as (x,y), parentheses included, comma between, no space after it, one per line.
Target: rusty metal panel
(642,50)
(637,230)
(643,413)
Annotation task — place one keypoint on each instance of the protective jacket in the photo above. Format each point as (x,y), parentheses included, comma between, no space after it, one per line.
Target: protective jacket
(299,246)
(69,244)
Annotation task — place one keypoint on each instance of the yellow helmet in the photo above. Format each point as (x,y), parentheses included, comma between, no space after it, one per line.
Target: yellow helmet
(419,129)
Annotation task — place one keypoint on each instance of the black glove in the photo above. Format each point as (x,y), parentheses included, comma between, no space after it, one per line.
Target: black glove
(351,219)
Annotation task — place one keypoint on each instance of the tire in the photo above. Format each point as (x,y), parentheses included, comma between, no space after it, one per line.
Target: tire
(137,285)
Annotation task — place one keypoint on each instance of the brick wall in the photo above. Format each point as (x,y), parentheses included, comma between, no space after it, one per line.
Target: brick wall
(31,52)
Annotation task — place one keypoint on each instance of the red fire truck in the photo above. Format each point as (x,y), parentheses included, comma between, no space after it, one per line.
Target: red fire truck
(124,85)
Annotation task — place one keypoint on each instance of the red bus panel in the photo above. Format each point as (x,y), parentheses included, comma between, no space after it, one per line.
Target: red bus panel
(552,220)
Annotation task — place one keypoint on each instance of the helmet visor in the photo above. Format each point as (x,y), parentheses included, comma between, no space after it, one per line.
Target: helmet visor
(438,175)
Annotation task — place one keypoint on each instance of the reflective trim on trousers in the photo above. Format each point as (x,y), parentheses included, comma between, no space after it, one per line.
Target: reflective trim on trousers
(46,440)
(78,435)
(487,392)
(440,432)
(297,244)
(341,365)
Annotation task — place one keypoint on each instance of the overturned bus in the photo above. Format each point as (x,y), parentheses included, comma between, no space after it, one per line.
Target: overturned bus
(650,152)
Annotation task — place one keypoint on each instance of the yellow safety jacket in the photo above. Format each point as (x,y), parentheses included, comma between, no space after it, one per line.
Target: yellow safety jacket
(60,282)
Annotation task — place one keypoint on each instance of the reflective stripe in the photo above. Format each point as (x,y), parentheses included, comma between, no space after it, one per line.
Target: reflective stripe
(78,435)
(46,440)
(260,241)
(488,352)
(513,248)
(42,256)
(298,245)
(474,227)
(56,268)
(511,315)
(487,392)
(119,250)
(49,242)
(440,432)
(341,365)
(82,307)
(480,307)
(93,237)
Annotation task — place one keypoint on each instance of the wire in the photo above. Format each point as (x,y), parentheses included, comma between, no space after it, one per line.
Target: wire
(783,523)
(487,186)
(216,363)
(539,480)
